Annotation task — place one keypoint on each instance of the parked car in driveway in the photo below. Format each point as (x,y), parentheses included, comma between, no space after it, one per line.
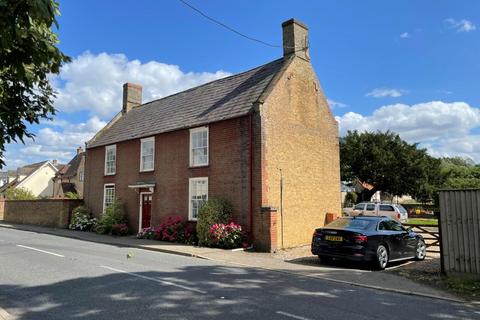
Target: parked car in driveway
(395,211)
(378,240)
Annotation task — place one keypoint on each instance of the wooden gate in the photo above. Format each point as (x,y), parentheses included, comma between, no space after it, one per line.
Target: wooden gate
(430,234)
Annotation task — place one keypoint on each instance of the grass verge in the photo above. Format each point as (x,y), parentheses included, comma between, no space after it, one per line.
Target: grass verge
(431,222)
(428,272)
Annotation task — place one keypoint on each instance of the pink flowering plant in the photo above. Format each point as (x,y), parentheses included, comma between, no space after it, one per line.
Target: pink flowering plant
(226,236)
(173,229)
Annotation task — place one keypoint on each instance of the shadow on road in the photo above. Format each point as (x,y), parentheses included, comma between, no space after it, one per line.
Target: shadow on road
(213,292)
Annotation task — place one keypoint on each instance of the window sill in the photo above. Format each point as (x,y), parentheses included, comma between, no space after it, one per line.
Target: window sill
(109,174)
(147,171)
(199,166)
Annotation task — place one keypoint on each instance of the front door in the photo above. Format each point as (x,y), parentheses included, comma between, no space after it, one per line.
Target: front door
(146,210)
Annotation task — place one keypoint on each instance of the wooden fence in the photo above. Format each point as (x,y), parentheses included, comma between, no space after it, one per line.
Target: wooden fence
(460,230)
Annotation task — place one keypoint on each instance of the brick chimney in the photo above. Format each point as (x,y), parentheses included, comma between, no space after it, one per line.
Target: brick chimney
(79,150)
(132,96)
(295,39)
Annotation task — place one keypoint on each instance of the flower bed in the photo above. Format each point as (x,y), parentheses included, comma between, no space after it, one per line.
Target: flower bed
(174,229)
(226,236)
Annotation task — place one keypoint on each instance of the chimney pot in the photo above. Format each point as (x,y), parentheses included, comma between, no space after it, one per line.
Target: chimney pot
(132,96)
(55,162)
(295,39)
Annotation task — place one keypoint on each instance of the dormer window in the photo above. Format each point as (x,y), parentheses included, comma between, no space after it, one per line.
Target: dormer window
(199,147)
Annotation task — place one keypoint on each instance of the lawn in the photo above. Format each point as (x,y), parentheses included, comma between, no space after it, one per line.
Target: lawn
(430,222)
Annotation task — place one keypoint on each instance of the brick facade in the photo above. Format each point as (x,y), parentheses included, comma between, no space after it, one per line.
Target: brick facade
(294,137)
(300,154)
(228,172)
(277,160)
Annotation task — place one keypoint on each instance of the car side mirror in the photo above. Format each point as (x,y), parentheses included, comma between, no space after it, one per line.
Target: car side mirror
(408,229)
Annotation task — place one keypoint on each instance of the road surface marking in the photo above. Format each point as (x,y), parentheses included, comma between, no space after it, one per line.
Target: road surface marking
(168,283)
(48,252)
(286,314)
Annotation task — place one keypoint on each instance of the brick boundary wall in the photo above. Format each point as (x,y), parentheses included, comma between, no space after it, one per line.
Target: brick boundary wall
(54,213)
(2,206)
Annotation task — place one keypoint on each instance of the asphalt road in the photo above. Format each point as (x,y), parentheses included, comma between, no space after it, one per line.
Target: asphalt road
(48,277)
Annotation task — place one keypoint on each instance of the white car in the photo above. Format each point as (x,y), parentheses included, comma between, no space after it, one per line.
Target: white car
(395,211)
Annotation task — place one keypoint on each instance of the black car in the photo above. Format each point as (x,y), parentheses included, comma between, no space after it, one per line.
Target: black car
(379,240)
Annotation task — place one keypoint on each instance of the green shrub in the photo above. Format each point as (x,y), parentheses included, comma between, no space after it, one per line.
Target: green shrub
(19,194)
(113,215)
(71,195)
(120,229)
(350,199)
(82,219)
(212,212)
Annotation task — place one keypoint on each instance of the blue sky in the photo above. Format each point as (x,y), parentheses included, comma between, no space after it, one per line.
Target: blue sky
(408,66)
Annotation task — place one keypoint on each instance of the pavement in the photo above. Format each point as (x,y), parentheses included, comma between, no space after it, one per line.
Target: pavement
(311,268)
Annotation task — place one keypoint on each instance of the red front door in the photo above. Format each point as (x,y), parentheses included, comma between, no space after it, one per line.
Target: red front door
(146,210)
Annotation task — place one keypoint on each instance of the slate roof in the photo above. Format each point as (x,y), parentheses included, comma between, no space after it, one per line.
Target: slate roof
(70,169)
(218,100)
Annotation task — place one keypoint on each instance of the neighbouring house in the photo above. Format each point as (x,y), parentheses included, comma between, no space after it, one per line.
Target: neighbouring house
(71,177)
(3,178)
(36,177)
(379,196)
(265,139)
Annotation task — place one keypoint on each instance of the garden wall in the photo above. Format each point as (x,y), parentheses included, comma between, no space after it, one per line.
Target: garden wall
(48,213)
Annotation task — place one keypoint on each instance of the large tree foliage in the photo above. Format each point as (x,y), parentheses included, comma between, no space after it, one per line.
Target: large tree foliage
(28,54)
(389,164)
(459,173)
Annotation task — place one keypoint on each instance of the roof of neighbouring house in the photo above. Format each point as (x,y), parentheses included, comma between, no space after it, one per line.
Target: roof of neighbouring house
(30,168)
(12,183)
(26,171)
(222,99)
(70,169)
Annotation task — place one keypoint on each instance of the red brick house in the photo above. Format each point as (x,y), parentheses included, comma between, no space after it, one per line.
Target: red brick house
(265,139)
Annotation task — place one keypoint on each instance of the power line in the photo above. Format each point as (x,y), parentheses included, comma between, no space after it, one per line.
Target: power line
(233,30)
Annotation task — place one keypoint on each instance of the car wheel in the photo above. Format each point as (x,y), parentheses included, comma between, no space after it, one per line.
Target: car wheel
(421,250)
(381,258)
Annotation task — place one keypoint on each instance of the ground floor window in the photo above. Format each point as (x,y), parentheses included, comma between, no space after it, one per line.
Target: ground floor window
(198,195)
(108,195)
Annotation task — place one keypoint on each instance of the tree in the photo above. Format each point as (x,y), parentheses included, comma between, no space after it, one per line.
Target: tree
(459,173)
(19,194)
(389,164)
(28,55)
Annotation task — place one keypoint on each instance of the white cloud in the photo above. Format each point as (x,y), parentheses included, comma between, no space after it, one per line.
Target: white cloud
(404,35)
(443,128)
(91,85)
(461,25)
(94,82)
(58,141)
(335,104)
(386,92)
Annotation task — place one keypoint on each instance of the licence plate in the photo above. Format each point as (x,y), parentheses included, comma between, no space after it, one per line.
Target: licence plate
(333,238)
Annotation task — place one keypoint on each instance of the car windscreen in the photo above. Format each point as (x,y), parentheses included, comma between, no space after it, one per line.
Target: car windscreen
(401,209)
(360,224)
